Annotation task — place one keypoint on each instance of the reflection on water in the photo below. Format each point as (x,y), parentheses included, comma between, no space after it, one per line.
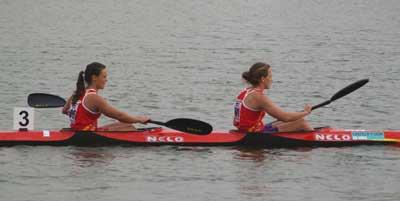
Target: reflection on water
(275,173)
(88,157)
(259,154)
(252,154)
(194,148)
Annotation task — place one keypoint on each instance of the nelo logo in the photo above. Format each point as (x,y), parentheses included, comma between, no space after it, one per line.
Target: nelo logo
(332,137)
(164,139)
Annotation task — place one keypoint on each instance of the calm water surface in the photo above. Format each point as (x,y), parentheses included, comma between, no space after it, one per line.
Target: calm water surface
(170,59)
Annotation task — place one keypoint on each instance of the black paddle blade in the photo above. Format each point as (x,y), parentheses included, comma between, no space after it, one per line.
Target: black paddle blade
(41,100)
(349,89)
(190,126)
(343,92)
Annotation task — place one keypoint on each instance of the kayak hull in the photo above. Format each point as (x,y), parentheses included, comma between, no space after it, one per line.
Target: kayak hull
(322,137)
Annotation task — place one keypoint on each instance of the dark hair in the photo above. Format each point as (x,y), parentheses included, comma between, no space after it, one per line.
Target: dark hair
(94,68)
(256,71)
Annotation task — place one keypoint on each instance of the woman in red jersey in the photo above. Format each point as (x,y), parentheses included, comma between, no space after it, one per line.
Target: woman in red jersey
(251,106)
(85,106)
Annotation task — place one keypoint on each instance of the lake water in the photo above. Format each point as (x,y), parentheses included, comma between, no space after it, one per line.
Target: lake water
(170,59)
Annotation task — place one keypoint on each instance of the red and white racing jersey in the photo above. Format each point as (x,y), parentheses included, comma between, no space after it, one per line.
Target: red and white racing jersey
(81,117)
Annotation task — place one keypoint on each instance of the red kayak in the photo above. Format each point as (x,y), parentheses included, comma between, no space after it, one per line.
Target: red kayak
(321,137)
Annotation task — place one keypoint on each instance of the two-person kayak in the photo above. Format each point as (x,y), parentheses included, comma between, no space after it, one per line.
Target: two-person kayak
(320,137)
(194,132)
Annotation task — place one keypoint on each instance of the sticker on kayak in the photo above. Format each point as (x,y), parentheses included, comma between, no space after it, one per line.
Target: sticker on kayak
(164,139)
(332,137)
(46,133)
(367,135)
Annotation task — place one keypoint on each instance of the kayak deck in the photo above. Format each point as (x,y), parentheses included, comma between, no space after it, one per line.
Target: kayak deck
(321,137)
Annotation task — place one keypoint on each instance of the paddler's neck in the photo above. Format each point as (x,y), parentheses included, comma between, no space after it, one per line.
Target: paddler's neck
(92,87)
(260,88)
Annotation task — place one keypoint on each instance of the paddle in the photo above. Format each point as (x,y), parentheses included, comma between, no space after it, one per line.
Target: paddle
(42,100)
(187,125)
(343,92)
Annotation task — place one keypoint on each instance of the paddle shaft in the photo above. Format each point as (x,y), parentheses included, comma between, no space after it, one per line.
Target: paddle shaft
(321,105)
(341,93)
(156,122)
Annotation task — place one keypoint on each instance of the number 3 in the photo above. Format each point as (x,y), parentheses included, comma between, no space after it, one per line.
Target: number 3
(24,115)
(23,118)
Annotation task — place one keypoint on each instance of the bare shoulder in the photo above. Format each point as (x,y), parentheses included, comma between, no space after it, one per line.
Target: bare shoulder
(259,96)
(263,101)
(255,100)
(94,99)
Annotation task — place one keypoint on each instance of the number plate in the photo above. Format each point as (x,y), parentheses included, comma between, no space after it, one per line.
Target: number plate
(23,118)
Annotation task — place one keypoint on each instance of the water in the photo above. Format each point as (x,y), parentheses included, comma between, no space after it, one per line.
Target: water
(170,59)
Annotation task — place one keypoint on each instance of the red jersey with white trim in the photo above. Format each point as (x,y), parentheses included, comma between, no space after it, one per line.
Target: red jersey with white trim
(81,117)
(247,119)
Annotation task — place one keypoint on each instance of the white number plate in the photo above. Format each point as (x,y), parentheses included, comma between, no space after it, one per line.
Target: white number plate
(23,118)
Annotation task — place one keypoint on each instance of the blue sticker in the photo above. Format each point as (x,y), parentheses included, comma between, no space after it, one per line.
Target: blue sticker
(367,135)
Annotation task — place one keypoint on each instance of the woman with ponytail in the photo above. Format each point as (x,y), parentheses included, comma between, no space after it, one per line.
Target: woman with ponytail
(85,106)
(251,106)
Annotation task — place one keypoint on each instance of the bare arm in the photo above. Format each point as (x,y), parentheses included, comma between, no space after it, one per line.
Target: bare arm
(67,106)
(103,107)
(275,111)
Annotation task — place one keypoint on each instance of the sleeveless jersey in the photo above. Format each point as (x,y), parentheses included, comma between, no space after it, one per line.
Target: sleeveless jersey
(81,117)
(247,119)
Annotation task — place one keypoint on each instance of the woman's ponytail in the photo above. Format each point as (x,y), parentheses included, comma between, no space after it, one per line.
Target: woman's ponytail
(246,76)
(80,88)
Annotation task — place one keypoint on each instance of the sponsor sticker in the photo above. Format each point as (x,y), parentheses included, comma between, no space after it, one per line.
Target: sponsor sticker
(164,139)
(332,137)
(367,135)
